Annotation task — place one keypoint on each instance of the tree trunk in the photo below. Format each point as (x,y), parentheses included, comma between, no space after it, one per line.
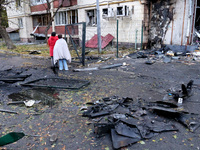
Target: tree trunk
(6,38)
(46,31)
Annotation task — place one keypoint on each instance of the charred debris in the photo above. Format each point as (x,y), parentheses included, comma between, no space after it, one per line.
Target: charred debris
(167,54)
(160,18)
(129,121)
(12,75)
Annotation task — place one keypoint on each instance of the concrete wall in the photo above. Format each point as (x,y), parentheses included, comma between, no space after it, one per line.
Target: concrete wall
(127,25)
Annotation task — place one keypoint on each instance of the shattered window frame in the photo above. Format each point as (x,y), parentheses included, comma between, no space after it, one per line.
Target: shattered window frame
(105,11)
(42,19)
(91,17)
(108,12)
(66,17)
(61,18)
(73,17)
(122,11)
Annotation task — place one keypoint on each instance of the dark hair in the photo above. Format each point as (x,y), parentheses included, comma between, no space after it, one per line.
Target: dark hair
(53,34)
(60,36)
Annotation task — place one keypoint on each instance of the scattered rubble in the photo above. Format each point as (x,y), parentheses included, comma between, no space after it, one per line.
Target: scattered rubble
(166,55)
(11,76)
(13,79)
(129,121)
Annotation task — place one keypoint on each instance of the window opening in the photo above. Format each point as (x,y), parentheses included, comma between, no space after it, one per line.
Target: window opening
(91,17)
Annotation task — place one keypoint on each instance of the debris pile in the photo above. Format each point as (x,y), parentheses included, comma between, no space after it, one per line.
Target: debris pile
(129,121)
(166,55)
(12,76)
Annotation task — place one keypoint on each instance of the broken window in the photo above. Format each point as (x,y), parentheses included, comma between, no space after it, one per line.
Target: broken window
(108,12)
(67,17)
(18,3)
(20,23)
(105,11)
(61,18)
(122,11)
(43,20)
(91,17)
(72,16)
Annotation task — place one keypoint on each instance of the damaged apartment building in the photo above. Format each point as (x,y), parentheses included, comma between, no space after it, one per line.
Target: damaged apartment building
(151,22)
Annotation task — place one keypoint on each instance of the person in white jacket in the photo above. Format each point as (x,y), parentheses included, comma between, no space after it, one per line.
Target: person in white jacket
(61,53)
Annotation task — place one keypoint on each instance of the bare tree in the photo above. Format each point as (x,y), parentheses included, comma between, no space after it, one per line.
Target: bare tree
(48,9)
(3,32)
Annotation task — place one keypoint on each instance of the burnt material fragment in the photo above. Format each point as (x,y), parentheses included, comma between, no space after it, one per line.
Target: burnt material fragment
(189,120)
(145,131)
(15,78)
(122,110)
(129,122)
(186,90)
(125,130)
(172,111)
(121,141)
(96,111)
(149,128)
(100,129)
(166,104)
(57,83)
(99,114)
(157,126)
(141,55)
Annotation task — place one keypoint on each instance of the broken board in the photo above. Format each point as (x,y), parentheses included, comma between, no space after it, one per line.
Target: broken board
(57,83)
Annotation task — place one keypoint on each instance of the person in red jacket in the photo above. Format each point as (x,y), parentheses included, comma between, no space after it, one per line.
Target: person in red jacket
(51,42)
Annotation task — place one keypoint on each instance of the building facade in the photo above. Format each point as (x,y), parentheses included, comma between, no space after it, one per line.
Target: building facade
(152,22)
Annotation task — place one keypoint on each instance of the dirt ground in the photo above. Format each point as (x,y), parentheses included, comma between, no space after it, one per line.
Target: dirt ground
(63,117)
